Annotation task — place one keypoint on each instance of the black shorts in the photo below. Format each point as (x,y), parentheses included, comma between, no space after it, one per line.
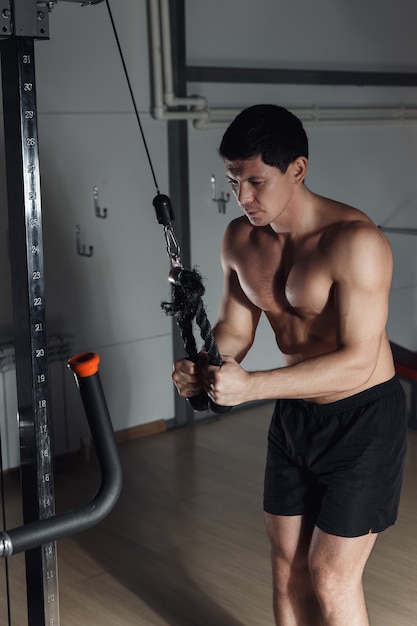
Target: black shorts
(341,462)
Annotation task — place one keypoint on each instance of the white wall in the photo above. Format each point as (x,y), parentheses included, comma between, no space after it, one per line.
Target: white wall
(324,34)
(89,137)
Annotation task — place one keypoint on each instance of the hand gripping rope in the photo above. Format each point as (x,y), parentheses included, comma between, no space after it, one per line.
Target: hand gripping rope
(187,303)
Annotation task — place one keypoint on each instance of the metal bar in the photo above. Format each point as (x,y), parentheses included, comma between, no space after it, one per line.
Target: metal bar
(178,181)
(245,75)
(28,291)
(71,522)
(398,231)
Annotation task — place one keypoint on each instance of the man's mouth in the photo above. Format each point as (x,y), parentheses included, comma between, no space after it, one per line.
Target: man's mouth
(252,212)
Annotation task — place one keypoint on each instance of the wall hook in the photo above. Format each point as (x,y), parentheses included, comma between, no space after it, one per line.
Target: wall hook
(97,210)
(81,248)
(222,200)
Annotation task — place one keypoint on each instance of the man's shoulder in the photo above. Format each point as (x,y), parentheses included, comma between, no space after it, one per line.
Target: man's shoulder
(341,211)
(239,224)
(354,230)
(242,240)
(347,223)
(358,248)
(349,237)
(241,227)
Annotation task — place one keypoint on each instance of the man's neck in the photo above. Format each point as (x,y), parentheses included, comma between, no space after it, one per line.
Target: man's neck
(300,217)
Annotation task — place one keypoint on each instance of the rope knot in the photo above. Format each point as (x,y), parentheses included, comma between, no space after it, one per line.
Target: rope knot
(187,305)
(187,293)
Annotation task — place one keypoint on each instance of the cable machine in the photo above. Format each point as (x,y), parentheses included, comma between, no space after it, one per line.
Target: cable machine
(23,22)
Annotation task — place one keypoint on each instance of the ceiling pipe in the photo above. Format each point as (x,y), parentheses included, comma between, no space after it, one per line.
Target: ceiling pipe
(163,93)
(204,117)
(315,116)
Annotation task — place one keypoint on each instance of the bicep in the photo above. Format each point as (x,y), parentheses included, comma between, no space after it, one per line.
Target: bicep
(235,308)
(362,294)
(238,318)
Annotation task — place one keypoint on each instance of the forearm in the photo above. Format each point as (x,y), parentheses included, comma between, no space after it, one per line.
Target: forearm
(322,378)
(325,375)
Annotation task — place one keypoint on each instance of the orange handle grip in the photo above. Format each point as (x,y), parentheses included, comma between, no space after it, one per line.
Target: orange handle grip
(84,364)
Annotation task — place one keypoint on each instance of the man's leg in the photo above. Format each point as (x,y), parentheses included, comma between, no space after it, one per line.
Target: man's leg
(295,602)
(336,566)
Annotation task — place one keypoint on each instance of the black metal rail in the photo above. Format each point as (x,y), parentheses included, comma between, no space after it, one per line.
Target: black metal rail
(40,532)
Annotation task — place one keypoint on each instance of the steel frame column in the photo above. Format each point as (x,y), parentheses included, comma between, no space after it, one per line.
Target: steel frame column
(27,270)
(178,180)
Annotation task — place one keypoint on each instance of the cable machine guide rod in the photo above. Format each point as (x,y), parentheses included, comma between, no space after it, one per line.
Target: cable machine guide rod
(28,290)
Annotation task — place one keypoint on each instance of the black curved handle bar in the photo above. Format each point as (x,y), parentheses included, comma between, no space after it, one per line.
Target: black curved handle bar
(40,532)
(201,402)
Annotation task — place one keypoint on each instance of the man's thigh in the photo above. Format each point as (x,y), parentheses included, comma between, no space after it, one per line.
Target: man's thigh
(297,542)
(344,557)
(290,537)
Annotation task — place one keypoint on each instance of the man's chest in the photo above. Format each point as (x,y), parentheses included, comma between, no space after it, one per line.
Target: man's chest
(278,283)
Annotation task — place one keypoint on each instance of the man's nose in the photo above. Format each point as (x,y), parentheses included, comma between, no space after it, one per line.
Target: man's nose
(245,195)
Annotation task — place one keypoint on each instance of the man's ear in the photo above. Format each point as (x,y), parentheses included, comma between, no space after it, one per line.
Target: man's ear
(299,169)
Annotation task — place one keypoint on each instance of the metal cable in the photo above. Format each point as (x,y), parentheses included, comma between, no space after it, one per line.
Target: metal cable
(145,144)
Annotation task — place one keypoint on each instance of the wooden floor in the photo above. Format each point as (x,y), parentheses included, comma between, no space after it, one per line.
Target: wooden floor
(185,545)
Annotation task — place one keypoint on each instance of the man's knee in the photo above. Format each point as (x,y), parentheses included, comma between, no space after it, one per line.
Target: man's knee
(290,541)
(338,561)
(333,577)
(325,581)
(290,569)
(290,574)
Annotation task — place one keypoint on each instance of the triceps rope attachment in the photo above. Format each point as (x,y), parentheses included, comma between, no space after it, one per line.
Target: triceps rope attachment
(187,303)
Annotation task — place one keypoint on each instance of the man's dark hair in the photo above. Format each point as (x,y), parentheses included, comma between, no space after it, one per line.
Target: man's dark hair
(267,130)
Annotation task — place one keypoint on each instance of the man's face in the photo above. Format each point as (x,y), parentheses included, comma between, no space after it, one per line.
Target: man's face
(262,191)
